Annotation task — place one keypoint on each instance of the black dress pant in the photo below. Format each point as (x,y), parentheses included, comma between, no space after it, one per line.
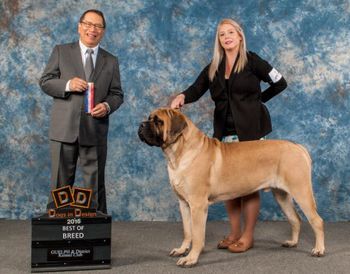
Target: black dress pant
(92,161)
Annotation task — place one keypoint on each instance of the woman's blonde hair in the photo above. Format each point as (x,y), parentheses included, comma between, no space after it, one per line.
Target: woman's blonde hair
(218,52)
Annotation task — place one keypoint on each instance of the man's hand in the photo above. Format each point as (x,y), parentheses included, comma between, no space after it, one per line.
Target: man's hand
(100,110)
(77,85)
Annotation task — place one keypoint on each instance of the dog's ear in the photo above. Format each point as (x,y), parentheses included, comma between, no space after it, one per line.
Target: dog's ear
(178,124)
(174,124)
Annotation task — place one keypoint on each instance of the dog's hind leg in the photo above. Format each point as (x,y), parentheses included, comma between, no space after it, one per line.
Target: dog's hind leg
(286,203)
(186,223)
(305,200)
(298,183)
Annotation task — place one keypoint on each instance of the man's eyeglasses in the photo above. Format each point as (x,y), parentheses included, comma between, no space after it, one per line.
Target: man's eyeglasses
(88,25)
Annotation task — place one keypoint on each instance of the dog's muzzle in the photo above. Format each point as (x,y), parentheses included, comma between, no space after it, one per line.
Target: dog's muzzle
(141,132)
(147,136)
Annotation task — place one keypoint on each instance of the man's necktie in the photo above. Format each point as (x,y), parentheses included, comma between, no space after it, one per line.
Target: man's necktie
(89,66)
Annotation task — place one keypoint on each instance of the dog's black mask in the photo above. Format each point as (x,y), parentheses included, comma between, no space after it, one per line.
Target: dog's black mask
(162,128)
(149,134)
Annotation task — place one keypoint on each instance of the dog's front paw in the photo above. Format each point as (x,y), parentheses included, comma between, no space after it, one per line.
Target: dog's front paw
(317,252)
(176,252)
(188,261)
(289,244)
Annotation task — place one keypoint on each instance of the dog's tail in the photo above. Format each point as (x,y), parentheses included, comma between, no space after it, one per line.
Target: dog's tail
(308,159)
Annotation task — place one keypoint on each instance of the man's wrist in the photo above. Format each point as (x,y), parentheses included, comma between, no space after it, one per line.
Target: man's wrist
(67,86)
(107,107)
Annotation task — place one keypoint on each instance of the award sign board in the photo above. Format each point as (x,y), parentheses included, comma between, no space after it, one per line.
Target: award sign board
(72,236)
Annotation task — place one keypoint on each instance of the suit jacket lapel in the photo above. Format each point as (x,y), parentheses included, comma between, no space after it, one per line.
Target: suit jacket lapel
(221,73)
(76,60)
(100,61)
(233,75)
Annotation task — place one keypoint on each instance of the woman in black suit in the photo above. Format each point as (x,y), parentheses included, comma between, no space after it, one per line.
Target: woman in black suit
(233,78)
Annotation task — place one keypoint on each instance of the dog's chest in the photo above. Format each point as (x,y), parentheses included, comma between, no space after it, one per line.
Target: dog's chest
(177,183)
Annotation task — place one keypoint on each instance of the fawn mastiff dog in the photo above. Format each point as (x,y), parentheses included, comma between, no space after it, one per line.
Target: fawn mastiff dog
(203,170)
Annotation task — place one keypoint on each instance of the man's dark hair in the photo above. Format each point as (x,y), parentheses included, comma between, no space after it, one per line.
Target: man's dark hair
(100,13)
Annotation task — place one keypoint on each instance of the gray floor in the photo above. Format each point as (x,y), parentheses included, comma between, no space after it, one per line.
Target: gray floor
(143,247)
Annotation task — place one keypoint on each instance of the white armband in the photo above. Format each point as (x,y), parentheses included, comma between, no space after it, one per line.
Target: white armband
(275,75)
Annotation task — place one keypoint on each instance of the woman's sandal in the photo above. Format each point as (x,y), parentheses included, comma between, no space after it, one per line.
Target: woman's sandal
(225,243)
(239,247)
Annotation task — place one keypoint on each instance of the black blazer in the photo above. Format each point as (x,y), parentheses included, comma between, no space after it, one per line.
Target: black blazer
(251,117)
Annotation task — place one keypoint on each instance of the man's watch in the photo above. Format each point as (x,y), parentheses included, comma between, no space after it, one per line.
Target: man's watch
(107,107)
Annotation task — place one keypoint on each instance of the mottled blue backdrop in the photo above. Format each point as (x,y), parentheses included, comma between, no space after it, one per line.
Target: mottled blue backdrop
(162,46)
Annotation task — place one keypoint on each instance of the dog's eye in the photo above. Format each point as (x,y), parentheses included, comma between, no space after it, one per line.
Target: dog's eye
(158,122)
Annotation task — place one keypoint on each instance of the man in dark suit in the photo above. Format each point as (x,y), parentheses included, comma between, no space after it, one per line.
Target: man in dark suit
(74,133)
